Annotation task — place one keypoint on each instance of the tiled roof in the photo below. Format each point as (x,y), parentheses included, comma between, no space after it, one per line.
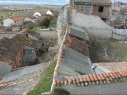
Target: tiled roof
(33,33)
(15,18)
(77,45)
(23,40)
(85,80)
(53,43)
(92,79)
(113,66)
(115,11)
(1,30)
(8,49)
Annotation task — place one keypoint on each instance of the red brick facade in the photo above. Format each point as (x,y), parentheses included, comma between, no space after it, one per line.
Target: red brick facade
(77,45)
(104,14)
(15,63)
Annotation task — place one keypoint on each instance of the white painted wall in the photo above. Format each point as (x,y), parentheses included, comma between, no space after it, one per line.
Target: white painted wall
(4,68)
(49,13)
(32,37)
(8,22)
(114,14)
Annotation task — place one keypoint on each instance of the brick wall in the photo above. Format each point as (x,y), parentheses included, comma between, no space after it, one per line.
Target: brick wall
(15,64)
(105,13)
(112,88)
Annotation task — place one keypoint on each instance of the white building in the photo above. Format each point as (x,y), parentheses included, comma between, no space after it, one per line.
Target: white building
(8,22)
(49,13)
(115,11)
(18,20)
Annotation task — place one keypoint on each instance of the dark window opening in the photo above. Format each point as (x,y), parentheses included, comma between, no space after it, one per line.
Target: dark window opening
(42,44)
(26,35)
(104,19)
(101,9)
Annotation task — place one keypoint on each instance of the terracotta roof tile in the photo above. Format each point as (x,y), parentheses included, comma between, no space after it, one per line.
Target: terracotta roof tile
(23,40)
(15,18)
(9,49)
(77,45)
(96,78)
(115,11)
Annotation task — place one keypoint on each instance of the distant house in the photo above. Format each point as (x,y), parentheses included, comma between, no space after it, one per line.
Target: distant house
(53,14)
(11,53)
(37,14)
(28,19)
(28,24)
(99,8)
(115,11)
(49,13)
(7,22)
(18,20)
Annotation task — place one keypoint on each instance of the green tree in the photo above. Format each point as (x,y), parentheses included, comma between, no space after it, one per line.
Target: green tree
(45,22)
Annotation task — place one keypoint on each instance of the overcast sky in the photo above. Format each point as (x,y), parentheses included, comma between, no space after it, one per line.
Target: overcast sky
(53,2)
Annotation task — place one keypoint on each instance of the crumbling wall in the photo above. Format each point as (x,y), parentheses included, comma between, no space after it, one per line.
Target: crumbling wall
(85,9)
(61,23)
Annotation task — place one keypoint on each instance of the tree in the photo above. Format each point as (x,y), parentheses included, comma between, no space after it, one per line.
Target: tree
(45,22)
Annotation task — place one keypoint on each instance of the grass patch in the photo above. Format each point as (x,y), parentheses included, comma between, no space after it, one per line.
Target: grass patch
(116,52)
(45,82)
(53,24)
(59,91)
(36,28)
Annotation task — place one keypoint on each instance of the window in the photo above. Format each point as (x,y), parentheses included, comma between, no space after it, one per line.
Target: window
(19,62)
(43,44)
(101,9)
(29,52)
(113,14)
(104,19)
(26,35)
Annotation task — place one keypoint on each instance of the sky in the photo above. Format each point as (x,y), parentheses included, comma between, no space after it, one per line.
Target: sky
(52,2)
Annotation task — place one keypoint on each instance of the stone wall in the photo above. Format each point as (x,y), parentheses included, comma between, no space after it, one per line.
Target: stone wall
(85,9)
(112,88)
(61,23)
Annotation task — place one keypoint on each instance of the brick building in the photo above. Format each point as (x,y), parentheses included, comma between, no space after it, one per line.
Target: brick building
(99,8)
(11,54)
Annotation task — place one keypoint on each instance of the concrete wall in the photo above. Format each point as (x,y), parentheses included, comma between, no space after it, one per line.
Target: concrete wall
(4,67)
(32,37)
(77,61)
(93,24)
(8,22)
(119,37)
(112,88)
(78,32)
